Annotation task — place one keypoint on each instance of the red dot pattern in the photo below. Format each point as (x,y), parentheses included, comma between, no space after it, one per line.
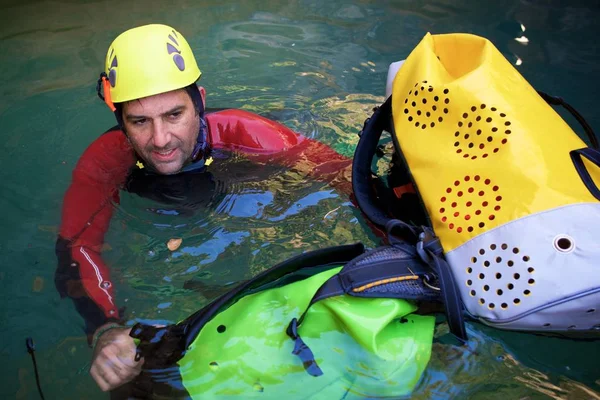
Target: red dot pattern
(470,203)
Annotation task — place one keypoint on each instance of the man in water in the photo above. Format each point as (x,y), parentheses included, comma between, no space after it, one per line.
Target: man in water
(164,131)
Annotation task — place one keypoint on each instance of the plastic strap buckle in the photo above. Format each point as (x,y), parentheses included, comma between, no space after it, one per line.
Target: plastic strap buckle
(425,238)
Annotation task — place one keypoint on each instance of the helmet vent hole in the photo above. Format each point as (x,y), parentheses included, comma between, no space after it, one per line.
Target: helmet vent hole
(564,243)
(591,310)
(112,77)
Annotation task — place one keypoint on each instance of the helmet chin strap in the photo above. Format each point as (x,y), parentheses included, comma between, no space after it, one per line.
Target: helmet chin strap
(201,149)
(103,86)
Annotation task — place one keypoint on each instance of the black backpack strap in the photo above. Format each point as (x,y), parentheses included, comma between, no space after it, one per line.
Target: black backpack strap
(593,156)
(395,271)
(559,101)
(449,290)
(384,266)
(430,251)
(362,176)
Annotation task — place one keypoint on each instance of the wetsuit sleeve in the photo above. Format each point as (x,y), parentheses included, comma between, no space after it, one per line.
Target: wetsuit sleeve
(87,209)
(265,140)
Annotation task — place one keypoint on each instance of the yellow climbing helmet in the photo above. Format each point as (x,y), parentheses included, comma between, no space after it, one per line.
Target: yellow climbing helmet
(145,61)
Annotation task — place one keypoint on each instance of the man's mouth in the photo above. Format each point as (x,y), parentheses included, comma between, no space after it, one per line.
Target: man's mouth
(164,155)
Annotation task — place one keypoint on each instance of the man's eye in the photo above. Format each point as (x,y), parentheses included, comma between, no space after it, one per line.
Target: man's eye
(139,121)
(175,114)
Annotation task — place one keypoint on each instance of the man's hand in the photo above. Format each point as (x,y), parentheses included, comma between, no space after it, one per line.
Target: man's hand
(113,363)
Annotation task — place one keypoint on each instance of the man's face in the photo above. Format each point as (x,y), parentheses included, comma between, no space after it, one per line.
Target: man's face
(163,129)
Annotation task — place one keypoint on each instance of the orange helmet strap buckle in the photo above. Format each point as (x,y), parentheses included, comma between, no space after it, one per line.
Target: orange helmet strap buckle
(103,85)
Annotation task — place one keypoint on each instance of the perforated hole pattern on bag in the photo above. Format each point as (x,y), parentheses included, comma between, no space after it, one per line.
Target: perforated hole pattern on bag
(481,131)
(479,199)
(424,106)
(500,276)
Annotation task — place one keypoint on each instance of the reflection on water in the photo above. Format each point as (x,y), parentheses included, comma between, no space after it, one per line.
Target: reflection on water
(247,219)
(318,67)
(488,368)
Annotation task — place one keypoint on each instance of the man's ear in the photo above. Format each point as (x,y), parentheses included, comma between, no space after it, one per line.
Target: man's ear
(203,95)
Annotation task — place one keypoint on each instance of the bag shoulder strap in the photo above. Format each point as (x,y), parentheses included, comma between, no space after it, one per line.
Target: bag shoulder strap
(594,156)
(403,271)
(559,101)
(385,272)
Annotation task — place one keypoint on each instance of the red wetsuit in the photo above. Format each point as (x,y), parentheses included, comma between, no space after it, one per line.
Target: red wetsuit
(104,168)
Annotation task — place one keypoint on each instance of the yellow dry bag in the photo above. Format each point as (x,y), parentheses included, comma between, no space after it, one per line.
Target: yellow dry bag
(508,187)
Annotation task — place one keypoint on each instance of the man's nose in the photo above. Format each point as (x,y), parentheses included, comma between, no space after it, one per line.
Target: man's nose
(161,135)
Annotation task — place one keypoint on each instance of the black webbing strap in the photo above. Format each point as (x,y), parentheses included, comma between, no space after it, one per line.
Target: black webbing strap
(431,252)
(420,262)
(451,297)
(592,155)
(346,282)
(361,165)
(559,101)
